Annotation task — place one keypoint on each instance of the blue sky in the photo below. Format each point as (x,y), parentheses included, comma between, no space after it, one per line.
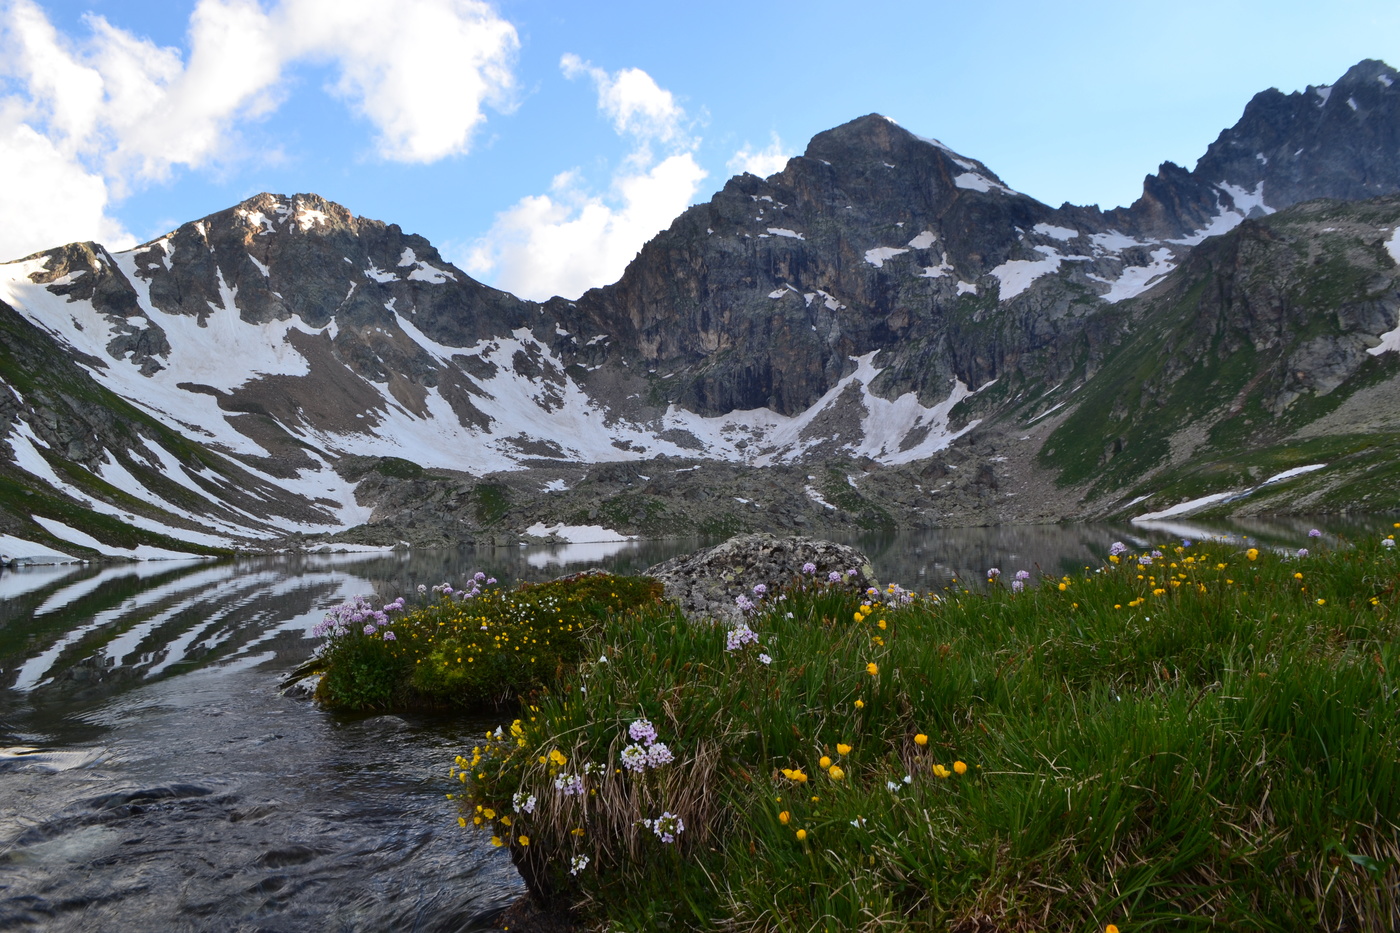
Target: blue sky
(539,144)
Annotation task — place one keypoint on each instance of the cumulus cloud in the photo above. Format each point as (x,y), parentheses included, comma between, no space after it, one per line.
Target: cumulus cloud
(760,162)
(116,112)
(569,240)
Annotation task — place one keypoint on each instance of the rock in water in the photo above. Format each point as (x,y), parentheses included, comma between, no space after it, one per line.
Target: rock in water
(708,582)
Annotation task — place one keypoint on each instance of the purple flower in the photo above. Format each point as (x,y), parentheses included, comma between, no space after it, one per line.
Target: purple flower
(390,636)
(1145,560)
(993,573)
(1157,555)
(1023,575)
(834,576)
(739,636)
(478,576)
(658,755)
(809,567)
(642,731)
(850,573)
(761,589)
(490,581)
(1302,552)
(422,589)
(1314,533)
(570,785)
(1017,585)
(744,603)
(1387,542)
(369,629)
(634,758)
(764,659)
(667,826)
(1118,548)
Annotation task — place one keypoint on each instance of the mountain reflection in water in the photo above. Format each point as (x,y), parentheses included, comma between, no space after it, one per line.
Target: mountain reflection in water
(152,778)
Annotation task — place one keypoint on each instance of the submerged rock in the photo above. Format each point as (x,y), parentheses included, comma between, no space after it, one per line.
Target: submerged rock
(708,582)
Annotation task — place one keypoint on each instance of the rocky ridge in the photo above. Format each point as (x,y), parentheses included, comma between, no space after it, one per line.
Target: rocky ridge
(884,328)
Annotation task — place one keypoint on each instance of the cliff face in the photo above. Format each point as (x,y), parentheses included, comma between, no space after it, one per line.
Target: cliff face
(883,301)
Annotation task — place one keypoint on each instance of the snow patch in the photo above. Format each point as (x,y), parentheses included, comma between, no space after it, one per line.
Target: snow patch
(1058,233)
(1296,471)
(1182,508)
(783,231)
(1016,275)
(923,240)
(966,288)
(877,256)
(1137,279)
(1323,92)
(577,534)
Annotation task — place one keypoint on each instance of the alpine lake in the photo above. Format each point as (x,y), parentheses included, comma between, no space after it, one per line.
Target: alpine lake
(153,777)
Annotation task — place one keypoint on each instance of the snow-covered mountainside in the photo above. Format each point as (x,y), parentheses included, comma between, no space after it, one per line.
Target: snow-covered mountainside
(286,368)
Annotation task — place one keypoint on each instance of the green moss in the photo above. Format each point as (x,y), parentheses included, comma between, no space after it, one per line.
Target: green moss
(398,468)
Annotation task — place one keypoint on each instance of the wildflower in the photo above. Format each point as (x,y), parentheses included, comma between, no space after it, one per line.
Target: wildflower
(1387,542)
(369,629)
(1063,587)
(496,841)
(390,636)
(764,659)
(667,826)
(809,567)
(1118,548)
(1111,928)
(959,767)
(578,864)
(1297,576)
(1144,560)
(802,835)
(836,772)
(795,774)
(1314,533)
(523,840)
(659,755)
(858,822)
(557,757)
(891,786)
(1023,575)
(834,576)
(761,589)
(1302,552)
(940,771)
(634,758)
(739,636)
(993,573)
(1322,602)
(872,668)
(824,761)
(642,731)
(1252,553)
(784,817)
(523,803)
(920,739)
(842,749)
(744,603)
(570,785)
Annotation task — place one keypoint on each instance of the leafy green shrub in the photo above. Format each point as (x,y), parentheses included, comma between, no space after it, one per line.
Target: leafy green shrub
(469,647)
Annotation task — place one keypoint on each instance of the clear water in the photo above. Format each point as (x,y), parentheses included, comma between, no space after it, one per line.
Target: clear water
(152,778)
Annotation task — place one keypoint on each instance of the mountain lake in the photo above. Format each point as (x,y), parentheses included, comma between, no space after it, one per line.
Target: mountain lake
(153,778)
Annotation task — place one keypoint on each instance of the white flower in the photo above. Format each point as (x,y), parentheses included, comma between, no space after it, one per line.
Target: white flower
(764,659)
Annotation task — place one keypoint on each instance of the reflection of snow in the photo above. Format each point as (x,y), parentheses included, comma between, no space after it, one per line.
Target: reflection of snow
(562,556)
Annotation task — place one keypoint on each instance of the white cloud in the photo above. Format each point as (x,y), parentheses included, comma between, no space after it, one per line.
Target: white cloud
(762,162)
(570,240)
(117,112)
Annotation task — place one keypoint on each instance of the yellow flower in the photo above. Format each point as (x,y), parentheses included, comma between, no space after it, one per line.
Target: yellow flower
(858,617)
(940,771)
(462,822)
(802,835)
(1252,553)
(825,762)
(523,840)
(881,623)
(496,841)
(960,767)
(872,668)
(842,748)
(1111,928)
(836,772)
(784,817)
(558,758)
(860,704)
(505,820)
(576,831)
(489,813)
(1322,602)
(1063,587)
(1297,576)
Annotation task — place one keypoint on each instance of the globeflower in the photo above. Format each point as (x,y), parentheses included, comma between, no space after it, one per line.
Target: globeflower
(872,668)
(836,772)
(824,761)
(842,748)
(1252,553)
(920,739)
(940,771)
(960,767)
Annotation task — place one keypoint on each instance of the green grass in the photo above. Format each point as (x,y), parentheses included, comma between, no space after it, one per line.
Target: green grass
(1208,742)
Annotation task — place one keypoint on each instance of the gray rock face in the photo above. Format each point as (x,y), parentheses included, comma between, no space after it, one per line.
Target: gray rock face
(706,583)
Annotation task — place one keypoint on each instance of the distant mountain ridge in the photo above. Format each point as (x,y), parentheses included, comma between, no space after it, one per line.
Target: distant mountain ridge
(881,301)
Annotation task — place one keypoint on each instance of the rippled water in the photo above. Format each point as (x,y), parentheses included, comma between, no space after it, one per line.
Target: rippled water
(152,778)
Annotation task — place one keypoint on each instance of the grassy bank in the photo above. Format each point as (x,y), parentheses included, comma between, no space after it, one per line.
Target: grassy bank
(1207,739)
